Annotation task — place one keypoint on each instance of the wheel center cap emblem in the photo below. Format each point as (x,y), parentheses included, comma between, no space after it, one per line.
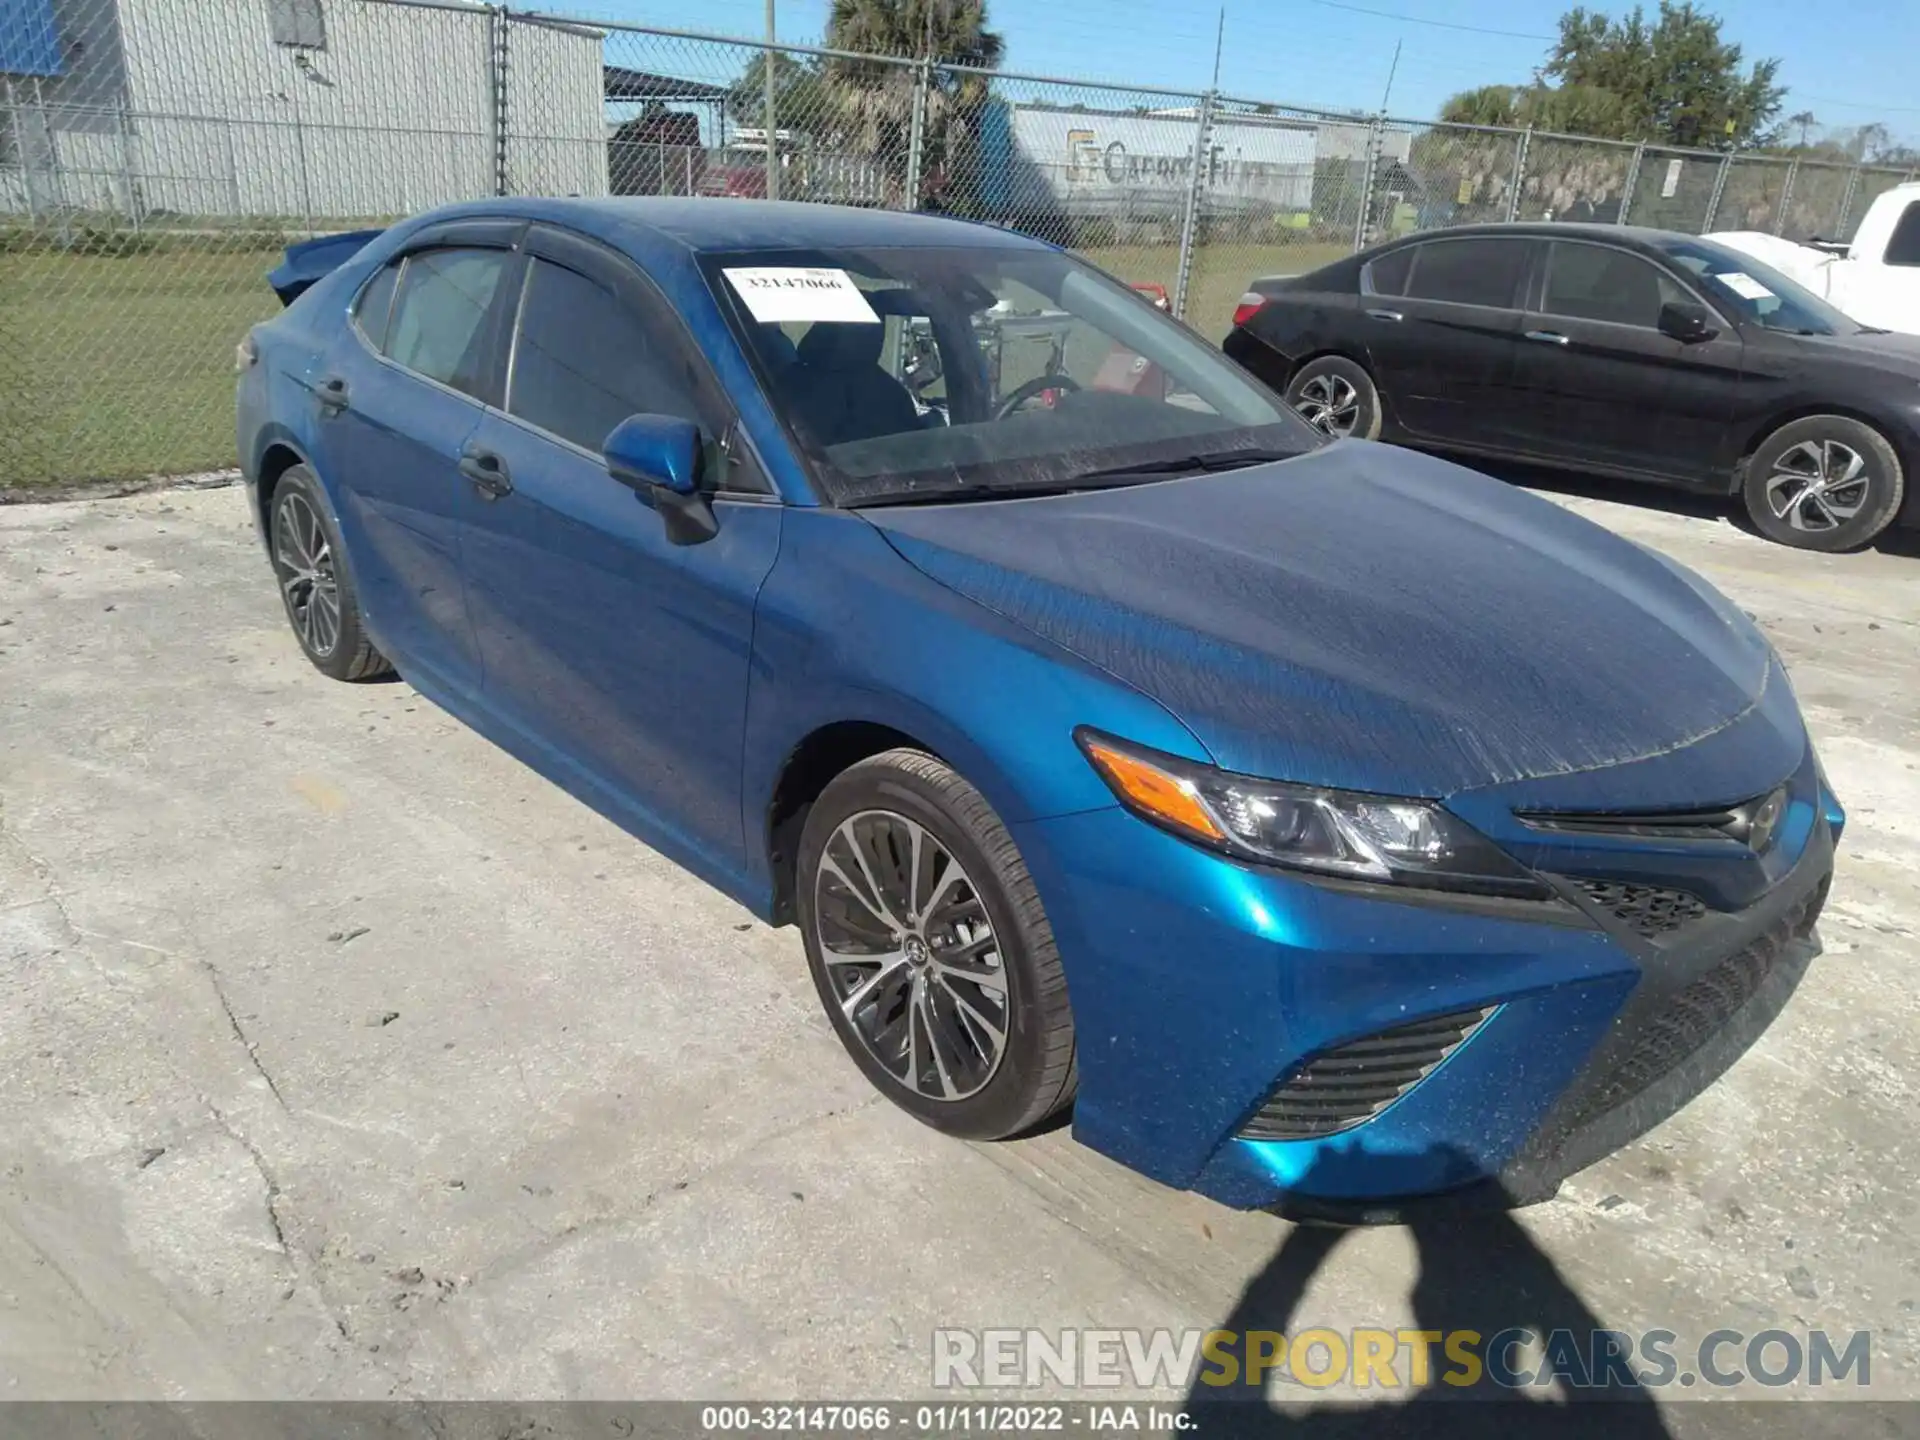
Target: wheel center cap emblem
(917,953)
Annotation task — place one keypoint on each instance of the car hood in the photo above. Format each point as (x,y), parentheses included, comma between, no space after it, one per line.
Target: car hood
(1363,617)
(1885,350)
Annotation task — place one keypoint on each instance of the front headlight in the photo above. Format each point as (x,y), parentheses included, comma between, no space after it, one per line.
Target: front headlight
(1330,832)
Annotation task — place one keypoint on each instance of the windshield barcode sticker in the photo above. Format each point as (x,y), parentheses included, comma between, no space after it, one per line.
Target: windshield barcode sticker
(1744,285)
(787,292)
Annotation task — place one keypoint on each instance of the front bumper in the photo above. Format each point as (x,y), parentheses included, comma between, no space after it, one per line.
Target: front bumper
(1201,986)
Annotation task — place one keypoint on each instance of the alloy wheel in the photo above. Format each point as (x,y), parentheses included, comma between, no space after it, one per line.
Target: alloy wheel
(911,955)
(304,558)
(1330,404)
(1818,485)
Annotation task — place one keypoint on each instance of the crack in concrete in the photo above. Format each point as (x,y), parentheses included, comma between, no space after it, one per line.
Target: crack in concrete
(274,1193)
(249,1047)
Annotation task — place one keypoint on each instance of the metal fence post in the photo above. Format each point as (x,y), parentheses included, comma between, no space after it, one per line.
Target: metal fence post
(1190,216)
(126,168)
(233,170)
(497,81)
(1846,201)
(917,132)
(1786,197)
(1632,182)
(306,182)
(1520,148)
(1719,189)
(1375,135)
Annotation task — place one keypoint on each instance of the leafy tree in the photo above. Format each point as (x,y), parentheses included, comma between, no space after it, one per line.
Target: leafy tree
(1677,81)
(802,98)
(877,99)
(1673,81)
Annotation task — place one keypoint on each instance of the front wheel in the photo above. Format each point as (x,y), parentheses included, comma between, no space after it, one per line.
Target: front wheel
(1827,482)
(930,950)
(1337,397)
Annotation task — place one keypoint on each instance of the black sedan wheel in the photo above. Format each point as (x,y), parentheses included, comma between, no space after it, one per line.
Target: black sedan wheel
(1337,397)
(930,951)
(314,583)
(1824,483)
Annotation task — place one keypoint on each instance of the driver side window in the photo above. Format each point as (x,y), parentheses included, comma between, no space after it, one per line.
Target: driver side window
(582,363)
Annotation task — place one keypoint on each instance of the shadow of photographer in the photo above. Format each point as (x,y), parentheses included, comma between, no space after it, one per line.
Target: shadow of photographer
(1479,1271)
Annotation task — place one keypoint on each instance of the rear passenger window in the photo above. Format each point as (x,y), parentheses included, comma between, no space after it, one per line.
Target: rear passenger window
(1388,274)
(582,361)
(1903,246)
(1468,272)
(370,311)
(439,322)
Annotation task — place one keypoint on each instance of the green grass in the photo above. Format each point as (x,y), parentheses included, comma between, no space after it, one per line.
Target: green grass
(116,367)
(121,366)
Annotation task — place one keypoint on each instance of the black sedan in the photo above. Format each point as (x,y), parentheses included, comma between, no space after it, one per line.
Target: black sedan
(1635,353)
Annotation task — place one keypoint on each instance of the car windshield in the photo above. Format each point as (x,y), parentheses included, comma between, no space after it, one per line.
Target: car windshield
(921,373)
(1757,293)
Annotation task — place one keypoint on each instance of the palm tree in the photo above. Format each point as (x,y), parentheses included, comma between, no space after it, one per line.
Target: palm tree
(877,99)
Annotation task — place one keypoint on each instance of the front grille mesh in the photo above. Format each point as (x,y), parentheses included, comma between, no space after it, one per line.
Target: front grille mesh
(1648,910)
(1687,1021)
(1341,1088)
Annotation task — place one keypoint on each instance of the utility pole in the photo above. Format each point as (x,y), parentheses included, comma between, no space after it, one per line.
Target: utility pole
(1392,70)
(1219,41)
(768,58)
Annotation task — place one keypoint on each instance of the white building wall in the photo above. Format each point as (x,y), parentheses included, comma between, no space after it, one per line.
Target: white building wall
(556,125)
(189,107)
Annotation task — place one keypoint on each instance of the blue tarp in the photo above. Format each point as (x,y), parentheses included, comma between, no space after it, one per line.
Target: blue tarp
(29,40)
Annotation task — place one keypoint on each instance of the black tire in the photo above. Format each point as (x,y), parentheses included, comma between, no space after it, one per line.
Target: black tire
(1798,492)
(1035,1072)
(1337,397)
(310,565)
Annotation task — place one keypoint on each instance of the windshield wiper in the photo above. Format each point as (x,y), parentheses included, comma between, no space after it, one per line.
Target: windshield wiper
(1012,491)
(1204,463)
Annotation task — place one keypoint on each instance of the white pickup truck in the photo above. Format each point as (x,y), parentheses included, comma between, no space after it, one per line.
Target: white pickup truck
(1875,280)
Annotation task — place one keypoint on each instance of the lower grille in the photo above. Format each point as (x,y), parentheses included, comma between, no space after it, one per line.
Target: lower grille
(1648,910)
(1341,1088)
(1674,1033)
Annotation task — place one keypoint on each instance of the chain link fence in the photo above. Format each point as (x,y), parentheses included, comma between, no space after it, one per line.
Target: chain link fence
(157,155)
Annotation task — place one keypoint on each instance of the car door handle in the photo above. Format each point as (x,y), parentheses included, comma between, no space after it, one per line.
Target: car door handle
(487,471)
(1548,337)
(333,394)
(1386,315)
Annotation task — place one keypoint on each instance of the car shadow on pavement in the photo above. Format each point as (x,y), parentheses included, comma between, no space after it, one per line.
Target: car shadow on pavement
(1479,1271)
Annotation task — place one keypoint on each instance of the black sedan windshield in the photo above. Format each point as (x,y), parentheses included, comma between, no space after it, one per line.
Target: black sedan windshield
(950,372)
(1758,294)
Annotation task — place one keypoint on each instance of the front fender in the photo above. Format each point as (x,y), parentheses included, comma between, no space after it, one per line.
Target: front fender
(847,630)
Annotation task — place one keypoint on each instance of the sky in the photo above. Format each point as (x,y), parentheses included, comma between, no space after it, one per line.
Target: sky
(1340,55)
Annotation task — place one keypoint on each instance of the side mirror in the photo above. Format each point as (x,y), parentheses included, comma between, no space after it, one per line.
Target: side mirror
(658,458)
(1689,324)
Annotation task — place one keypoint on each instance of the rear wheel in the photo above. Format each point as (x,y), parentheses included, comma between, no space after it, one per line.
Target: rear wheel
(1827,482)
(315,586)
(930,950)
(1337,397)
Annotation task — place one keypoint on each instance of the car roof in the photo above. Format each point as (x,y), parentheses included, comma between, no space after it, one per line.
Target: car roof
(710,223)
(1553,230)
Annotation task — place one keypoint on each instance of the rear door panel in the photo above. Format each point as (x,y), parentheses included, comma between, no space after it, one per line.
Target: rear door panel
(1442,362)
(392,450)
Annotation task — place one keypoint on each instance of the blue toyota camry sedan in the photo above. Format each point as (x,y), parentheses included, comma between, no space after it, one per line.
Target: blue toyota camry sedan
(1330,827)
